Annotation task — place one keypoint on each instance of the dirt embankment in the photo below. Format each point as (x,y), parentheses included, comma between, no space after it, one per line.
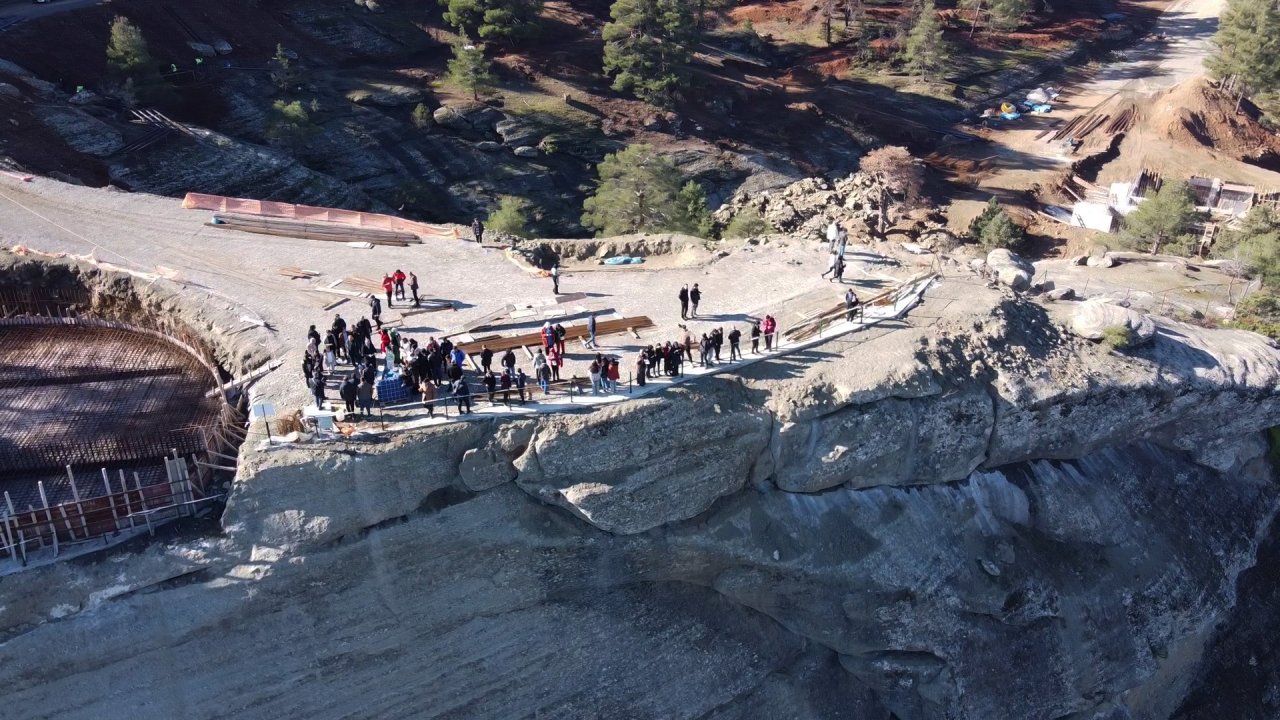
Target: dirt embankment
(1198,114)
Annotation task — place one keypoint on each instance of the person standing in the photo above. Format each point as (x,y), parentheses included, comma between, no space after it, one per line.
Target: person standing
(486,358)
(591,331)
(833,233)
(735,337)
(704,351)
(398,278)
(842,242)
(695,296)
(839,269)
(428,390)
(770,325)
(462,394)
(364,396)
(560,335)
(556,361)
(851,305)
(521,381)
(388,285)
(594,369)
(548,335)
(555,278)
(490,383)
(413,287)
(717,341)
(477,230)
(505,383)
(684,302)
(509,362)
(542,371)
(375,309)
(642,367)
(614,374)
(349,391)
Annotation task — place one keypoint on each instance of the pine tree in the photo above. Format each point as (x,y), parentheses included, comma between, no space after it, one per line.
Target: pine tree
(1248,46)
(130,63)
(512,216)
(1168,217)
(471,70)
(925,51)
(127,52)
(1000,14)
(641,191)
(646,47)
(493,19)
(1255,244)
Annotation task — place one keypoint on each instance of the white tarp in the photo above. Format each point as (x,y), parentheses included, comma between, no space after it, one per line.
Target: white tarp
(1092,215)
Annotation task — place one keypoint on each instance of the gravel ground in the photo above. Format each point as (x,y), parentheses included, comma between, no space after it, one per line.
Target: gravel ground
(147,232)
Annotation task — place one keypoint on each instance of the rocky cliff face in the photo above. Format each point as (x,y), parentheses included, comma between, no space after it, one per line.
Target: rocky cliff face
(982,518)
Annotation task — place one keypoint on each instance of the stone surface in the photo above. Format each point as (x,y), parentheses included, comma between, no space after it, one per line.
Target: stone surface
(1011,269)
(1092,317)
(526,151)
(627,469)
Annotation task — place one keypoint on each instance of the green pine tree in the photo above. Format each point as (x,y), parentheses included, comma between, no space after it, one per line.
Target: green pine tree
(288,123)
(493,19)
(1255,244)
(925,51)
(641,191)
(471,70)
(130,63)
(646,47)
(748,223)
(512,216)
(1167,218)
(127,51)
(1248,46)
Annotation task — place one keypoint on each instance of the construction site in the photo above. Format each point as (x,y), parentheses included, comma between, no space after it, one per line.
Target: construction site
(947,480)
(111,428)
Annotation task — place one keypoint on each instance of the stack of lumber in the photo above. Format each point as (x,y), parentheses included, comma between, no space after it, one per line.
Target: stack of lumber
(534,339)
(313,231)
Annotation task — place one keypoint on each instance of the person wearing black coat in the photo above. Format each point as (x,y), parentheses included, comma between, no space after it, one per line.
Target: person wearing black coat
(348,392)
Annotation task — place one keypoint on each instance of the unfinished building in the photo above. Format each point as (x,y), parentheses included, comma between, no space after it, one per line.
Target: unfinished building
(107,428)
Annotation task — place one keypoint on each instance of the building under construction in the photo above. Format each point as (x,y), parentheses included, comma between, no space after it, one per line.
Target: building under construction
(106,428)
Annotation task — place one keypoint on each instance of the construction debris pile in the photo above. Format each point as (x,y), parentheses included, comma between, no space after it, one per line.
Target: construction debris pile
(805,208)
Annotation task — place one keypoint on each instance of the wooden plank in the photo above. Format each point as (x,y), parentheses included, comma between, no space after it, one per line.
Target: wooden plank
(607,327)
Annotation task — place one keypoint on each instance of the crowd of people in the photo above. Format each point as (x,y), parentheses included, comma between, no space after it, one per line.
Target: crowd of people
(372,355)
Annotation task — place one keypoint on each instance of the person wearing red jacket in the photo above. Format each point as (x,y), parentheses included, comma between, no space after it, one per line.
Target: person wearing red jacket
(398,278)
(768,326)
(388,285)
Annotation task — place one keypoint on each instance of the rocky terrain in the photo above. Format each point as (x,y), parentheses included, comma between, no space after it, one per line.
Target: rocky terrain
(938,522)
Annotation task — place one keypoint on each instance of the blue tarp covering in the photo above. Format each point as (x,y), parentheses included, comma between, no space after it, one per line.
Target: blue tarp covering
(391,389)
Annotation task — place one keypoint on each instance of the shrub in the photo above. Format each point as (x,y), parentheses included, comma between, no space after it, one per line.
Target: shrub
(421,117)
(1117,337)
(995,229)
(1259,312)
(512,216)
(748,223)
(288,123)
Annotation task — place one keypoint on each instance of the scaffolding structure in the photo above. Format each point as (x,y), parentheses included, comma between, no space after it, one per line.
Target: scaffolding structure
(105,427)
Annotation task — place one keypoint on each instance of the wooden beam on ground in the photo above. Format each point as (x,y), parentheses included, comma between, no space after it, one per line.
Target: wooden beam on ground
(573,332)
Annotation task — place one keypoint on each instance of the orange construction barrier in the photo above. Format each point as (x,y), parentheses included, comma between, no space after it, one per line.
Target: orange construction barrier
(309,213)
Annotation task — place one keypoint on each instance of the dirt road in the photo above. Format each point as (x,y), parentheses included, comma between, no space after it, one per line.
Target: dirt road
(1154,65)
(26,10)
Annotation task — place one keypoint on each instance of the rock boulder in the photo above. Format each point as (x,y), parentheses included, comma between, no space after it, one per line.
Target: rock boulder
(1093,317)
(1010,268)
